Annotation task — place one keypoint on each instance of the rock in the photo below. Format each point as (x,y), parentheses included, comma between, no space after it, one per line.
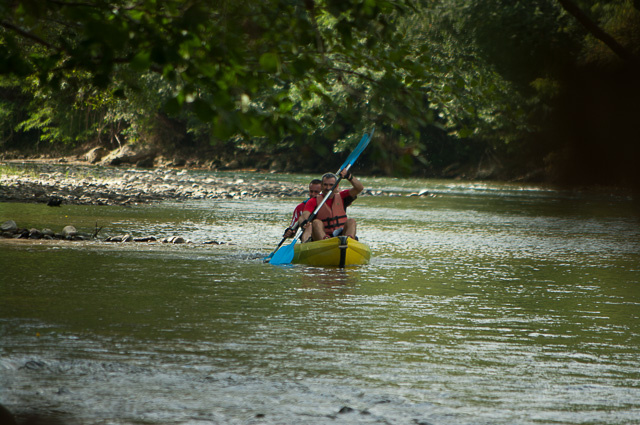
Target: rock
(178,162)
(9,226)
(127,155)
(120,238)
(33,365)
(69,232)
(160,161)
(95,154)
(145,239)
(423,192)
(232,165)
(116,157)
(48,232)
(35,234)
(54,201)
(173,239)
(145,163)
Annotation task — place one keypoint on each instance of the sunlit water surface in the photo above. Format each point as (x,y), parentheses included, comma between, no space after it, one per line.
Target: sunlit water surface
(486,304)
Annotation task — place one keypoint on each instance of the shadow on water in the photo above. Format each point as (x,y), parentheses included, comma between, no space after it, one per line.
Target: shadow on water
(8,418)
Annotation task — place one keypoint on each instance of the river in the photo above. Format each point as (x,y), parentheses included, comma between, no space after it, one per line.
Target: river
(484,304)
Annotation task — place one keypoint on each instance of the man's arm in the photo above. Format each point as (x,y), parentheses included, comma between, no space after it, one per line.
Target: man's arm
(356,184)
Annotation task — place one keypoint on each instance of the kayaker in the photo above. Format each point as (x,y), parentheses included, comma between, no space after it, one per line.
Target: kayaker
(332,218)
(315,187)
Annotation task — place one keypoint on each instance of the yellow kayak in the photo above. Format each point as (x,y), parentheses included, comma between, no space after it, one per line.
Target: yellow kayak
(338,252)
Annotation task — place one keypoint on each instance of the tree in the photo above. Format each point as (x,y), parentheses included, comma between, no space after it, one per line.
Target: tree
(232,63)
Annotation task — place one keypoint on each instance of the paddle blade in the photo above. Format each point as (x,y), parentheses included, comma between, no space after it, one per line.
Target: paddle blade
(364,142)
(284,255)
(268,257)
(351,158)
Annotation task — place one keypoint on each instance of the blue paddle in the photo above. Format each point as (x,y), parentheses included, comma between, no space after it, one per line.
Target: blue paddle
(285,254)
(284,238)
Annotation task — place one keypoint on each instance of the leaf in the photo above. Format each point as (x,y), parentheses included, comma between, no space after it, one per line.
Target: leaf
(285,106)
(141,61)
(119,93)
(344,28)
(172,106)
(202,110)
(465,132)
(270,62)
(222,128)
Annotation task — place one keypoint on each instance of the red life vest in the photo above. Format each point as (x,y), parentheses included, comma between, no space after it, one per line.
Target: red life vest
(333,217)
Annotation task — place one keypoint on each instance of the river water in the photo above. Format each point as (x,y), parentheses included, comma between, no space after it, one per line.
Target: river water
(486,304)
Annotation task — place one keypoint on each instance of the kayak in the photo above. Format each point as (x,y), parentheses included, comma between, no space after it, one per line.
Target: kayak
(340,251)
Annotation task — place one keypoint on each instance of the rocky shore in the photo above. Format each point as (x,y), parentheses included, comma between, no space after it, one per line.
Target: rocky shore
(10,230)
(57,184)
(85,184)
(82,184)
(122,186)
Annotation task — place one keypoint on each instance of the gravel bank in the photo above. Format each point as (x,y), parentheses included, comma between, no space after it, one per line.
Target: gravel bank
(122,186)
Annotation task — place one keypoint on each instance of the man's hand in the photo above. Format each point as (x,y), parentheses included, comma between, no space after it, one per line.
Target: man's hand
(345,174)
(357,185)
(303,221)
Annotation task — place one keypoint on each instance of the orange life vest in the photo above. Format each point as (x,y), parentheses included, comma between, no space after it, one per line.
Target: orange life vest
(333,217)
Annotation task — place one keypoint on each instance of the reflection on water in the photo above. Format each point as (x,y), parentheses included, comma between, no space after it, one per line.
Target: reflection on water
(488,304)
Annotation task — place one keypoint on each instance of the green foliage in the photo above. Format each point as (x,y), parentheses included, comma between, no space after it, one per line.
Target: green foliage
(213,56)
(442,81)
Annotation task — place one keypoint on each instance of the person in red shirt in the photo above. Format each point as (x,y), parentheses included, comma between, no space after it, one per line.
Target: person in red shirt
(315,187)
(331,219)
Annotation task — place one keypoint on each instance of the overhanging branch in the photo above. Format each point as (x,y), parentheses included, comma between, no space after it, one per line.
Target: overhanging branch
(27,34)
(598,32)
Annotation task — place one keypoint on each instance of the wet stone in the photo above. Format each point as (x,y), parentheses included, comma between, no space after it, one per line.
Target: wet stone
(9,226)
(69,232)
(145,239)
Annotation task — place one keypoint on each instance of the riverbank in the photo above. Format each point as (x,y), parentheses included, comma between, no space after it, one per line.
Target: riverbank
(70,181)
(82,184)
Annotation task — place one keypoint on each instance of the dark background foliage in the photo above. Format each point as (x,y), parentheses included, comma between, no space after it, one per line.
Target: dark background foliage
(542,89)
